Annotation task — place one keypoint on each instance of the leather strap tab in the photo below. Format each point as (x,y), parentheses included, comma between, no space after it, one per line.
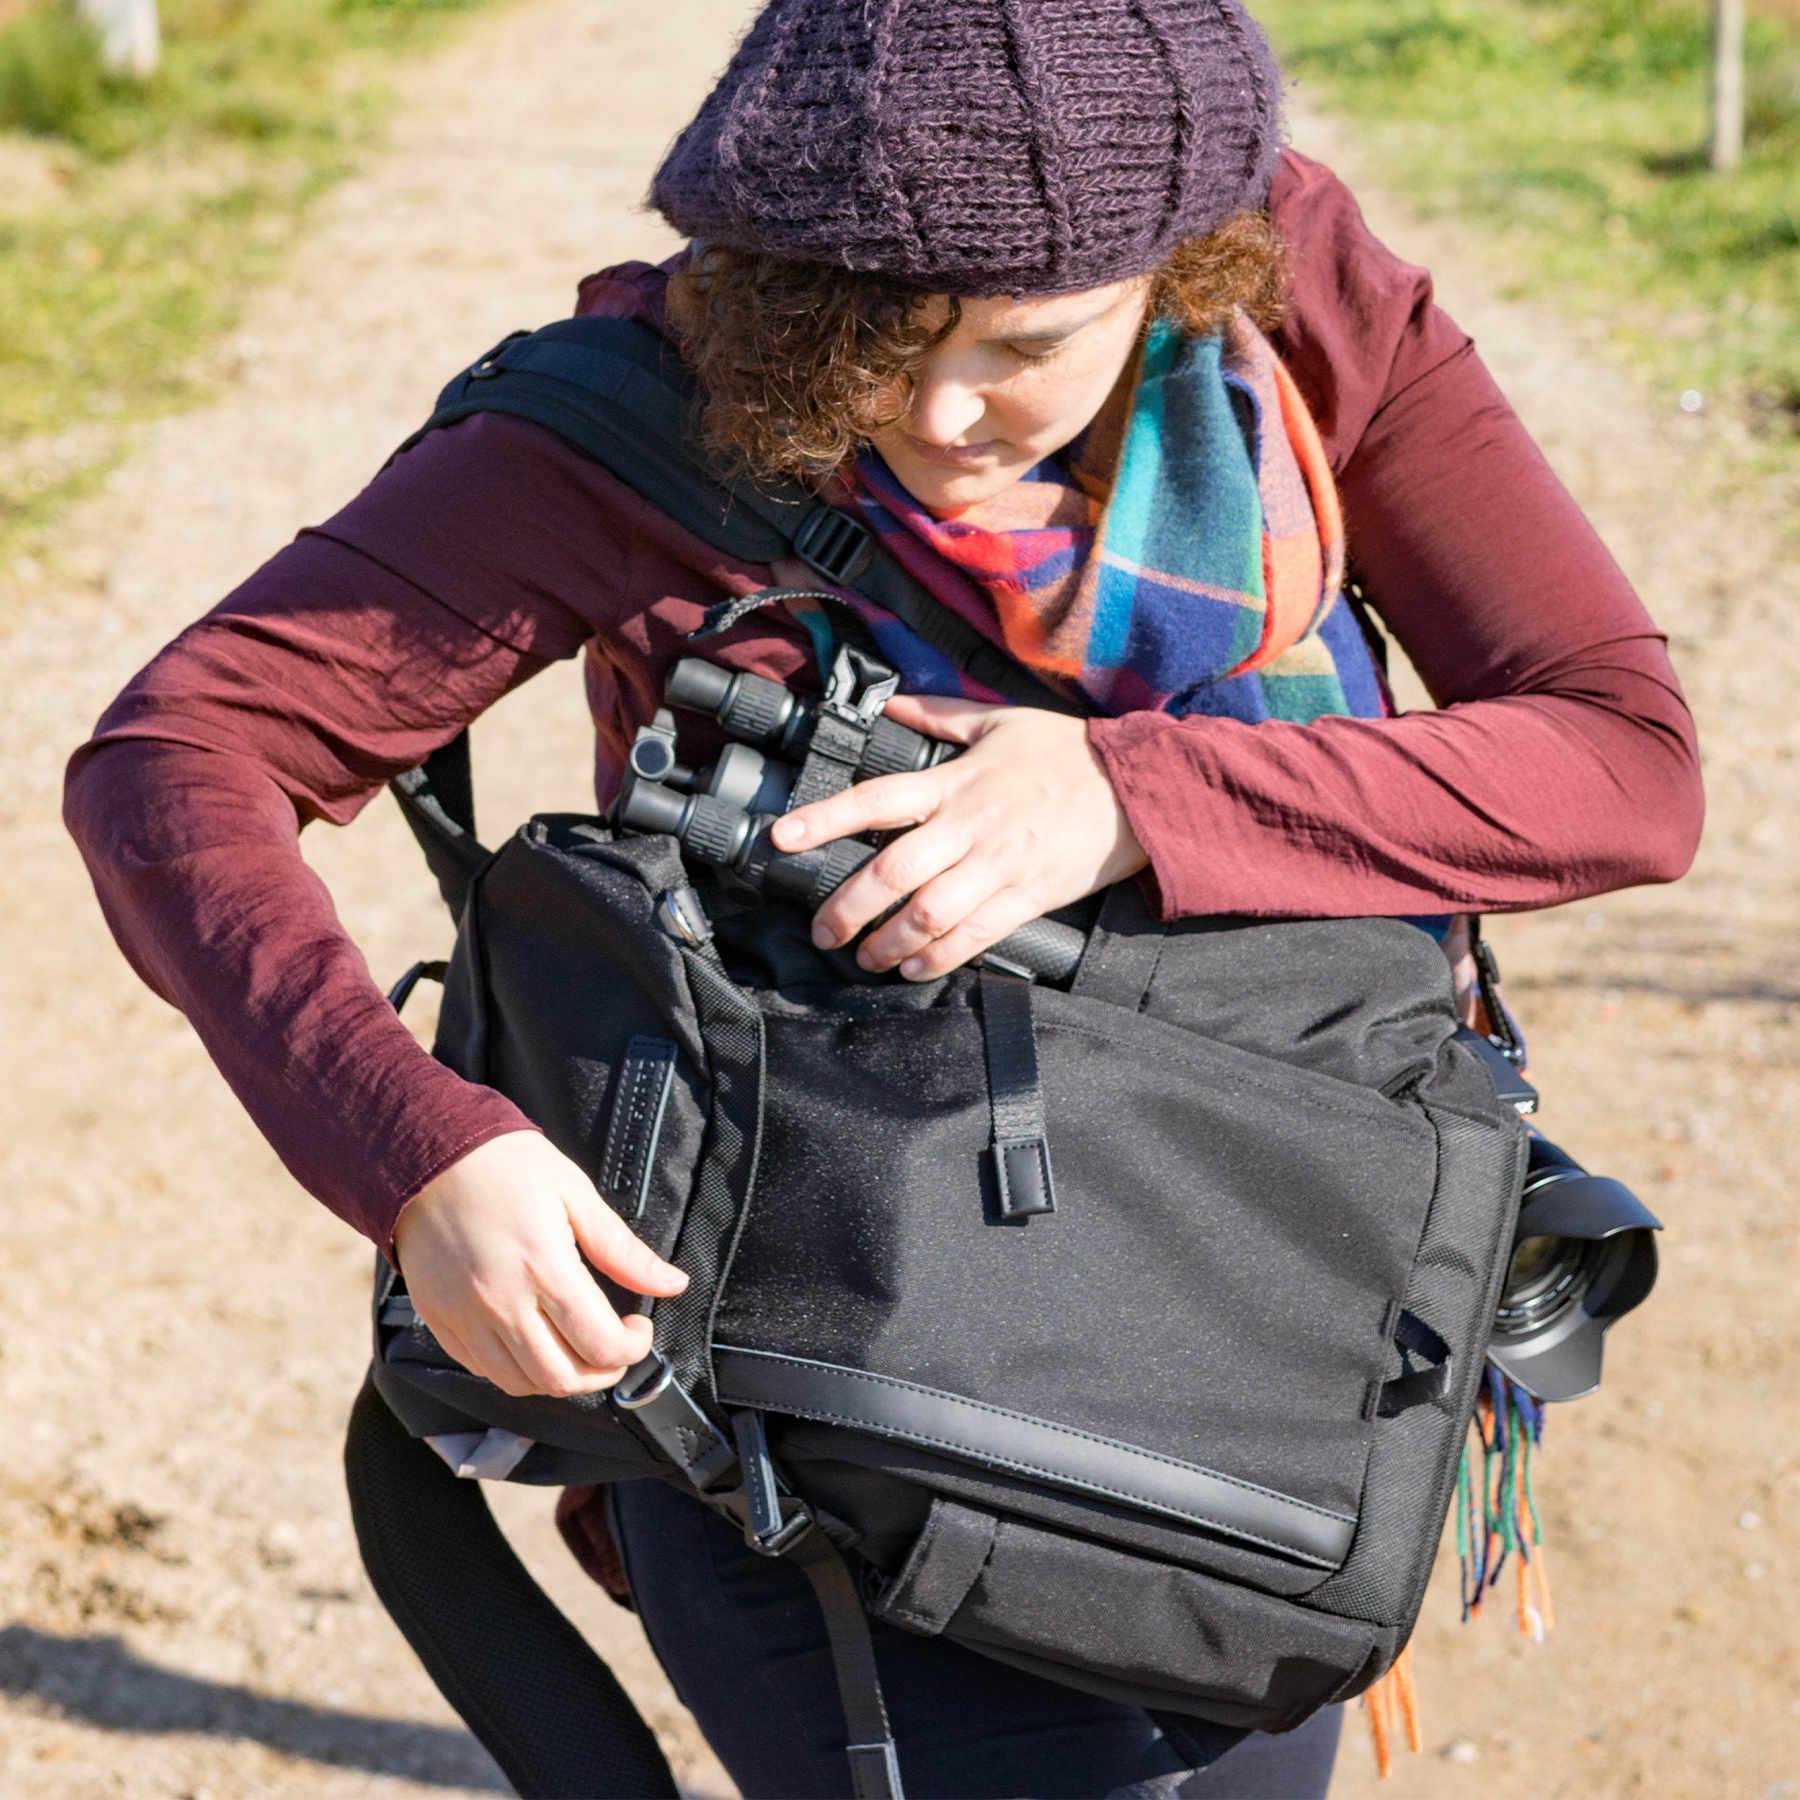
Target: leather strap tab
(646,1074)
(1020,1151)
(1022,1171)
(661,1408)
(875,1771)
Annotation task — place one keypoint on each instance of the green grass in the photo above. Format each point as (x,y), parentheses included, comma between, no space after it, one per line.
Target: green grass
(134,219)
(1574,131)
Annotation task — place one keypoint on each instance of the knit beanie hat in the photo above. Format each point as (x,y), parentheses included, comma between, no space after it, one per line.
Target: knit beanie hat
(980,146)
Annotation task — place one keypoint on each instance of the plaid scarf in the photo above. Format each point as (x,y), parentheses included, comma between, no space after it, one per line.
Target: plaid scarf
(1184,555)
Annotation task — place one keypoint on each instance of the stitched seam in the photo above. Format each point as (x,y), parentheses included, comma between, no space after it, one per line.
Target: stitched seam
(1174,1462)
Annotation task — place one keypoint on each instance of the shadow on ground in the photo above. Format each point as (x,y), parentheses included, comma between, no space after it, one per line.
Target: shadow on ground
(99,1681)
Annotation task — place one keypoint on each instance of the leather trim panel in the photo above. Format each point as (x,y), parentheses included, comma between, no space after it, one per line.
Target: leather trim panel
(1060,1454)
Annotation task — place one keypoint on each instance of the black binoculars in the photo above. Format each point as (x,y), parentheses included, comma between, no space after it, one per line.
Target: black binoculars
(721,815)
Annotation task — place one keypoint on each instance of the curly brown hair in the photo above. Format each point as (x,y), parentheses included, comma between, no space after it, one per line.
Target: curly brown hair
(801,363)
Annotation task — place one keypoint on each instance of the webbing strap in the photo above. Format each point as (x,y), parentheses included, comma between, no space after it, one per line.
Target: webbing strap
(874,1760)
(1123,949)
(1020,1151)
(437,801)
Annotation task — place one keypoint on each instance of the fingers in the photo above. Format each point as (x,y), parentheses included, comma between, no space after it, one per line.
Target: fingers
(596,1337)
(615,1249)
(884,804)
(901,869)
(938,907)
(890,802)
(943,716)
(984,927)
(486,1354)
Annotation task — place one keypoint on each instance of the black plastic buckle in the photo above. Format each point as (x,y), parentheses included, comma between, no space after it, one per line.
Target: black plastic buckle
(858,687)
(1510,1086)
(682,914)
(485,368)
(1487,982)
(839,547)
(768,1529)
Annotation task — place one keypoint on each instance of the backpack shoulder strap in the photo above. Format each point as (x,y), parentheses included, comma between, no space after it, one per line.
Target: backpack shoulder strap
(620,394)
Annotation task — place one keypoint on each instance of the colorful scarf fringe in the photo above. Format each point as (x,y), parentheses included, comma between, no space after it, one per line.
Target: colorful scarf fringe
(1496,1512)
(1185,555)
(1496,1519)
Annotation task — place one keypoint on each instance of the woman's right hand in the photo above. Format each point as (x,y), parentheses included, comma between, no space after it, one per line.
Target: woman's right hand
(492,1253)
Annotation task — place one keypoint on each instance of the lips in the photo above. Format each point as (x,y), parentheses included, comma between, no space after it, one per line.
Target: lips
(952,456)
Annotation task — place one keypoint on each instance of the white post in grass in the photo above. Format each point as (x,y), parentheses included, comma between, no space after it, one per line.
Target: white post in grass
(1725,146)
(130,34)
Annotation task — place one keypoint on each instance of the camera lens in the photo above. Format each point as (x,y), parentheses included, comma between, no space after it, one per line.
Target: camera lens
(1546,1275)
(1584,1256)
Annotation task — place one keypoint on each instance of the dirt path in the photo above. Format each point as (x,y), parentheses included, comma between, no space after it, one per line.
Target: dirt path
(181,1610)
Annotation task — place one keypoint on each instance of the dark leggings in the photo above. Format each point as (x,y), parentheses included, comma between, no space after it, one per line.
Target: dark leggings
(741,1639)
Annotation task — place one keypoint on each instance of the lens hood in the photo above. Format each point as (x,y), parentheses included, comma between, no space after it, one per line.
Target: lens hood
(1595,1261)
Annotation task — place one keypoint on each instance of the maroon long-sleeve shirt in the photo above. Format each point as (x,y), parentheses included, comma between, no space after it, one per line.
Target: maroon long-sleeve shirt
(1562,762)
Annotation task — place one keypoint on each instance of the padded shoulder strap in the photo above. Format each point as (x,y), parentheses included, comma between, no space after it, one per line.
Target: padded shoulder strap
(620,394)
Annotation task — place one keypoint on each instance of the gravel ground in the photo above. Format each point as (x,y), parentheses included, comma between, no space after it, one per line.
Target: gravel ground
(181,1608)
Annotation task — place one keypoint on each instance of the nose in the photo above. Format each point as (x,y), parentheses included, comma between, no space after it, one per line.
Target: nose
(946,407)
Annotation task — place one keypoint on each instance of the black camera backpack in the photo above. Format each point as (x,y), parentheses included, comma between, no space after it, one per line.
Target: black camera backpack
(1125,1330)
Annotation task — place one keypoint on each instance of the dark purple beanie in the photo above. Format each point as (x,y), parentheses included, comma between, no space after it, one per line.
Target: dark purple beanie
(980,146)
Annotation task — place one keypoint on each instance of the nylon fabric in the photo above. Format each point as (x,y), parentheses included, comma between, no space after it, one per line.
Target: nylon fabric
(1280,1122)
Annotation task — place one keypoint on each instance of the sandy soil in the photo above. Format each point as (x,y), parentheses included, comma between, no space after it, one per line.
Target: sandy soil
(181,1608)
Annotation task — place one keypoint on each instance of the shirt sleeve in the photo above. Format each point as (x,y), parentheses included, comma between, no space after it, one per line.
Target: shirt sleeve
(345,660)
(1561,762)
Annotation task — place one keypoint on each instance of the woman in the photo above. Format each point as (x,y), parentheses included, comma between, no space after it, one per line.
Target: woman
(993,275)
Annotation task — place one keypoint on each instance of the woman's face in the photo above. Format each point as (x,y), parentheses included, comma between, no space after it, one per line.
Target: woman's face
(1015,381)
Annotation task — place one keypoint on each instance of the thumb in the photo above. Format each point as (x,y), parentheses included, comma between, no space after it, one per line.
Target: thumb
(944,716)
(616,1250)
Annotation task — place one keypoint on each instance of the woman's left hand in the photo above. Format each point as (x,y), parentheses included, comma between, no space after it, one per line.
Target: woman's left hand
(1022,822)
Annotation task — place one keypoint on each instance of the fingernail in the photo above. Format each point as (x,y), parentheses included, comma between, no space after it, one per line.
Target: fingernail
(824,936)
(789,832)
(913,968)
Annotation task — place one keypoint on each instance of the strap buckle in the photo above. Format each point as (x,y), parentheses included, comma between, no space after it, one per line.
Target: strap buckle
(858,687)
(485,368)
(835,545)
(769,1529)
